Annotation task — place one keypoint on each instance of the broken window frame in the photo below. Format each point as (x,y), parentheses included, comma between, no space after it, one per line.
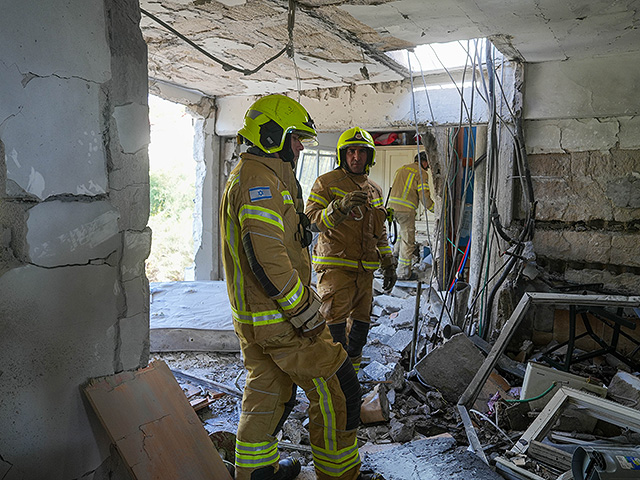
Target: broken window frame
(529,298)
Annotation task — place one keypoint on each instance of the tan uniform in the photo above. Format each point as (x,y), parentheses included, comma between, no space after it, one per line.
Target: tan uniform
(410,186)
(268,274)
(348,251)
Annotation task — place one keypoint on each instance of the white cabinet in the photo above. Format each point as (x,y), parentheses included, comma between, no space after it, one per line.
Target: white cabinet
(388,160)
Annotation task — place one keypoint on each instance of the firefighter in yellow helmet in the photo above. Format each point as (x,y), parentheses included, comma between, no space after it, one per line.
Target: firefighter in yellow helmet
(347,209)
(283,338)
(410,187)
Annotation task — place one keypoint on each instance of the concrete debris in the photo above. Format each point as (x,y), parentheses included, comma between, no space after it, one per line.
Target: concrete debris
(625,389)
(377,372)
(438,457)
(451,378)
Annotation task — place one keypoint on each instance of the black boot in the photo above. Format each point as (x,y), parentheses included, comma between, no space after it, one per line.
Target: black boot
(289,469)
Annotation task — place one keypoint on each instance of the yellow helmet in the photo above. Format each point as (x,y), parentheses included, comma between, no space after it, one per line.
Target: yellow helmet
(356,136)
(271,118)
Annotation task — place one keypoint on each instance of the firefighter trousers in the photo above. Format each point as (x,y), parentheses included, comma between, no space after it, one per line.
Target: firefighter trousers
(406,242)
(321,368)
(347,297)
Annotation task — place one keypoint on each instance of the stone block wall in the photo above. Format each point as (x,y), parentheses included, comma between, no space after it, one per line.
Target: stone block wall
(583,143)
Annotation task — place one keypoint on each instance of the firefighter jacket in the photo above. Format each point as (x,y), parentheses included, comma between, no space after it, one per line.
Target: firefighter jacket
(409,187)
(351,241)
(268,269)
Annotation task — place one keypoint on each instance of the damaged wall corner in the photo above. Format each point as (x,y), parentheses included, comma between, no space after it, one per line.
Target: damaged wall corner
(583,151)
(75,203)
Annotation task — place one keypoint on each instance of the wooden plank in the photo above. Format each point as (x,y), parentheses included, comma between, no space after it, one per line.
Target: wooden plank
(153,426)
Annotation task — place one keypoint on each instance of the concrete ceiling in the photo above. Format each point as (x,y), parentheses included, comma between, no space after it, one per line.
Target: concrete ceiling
(334,39)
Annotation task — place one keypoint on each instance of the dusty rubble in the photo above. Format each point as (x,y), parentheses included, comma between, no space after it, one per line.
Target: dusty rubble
(401,409)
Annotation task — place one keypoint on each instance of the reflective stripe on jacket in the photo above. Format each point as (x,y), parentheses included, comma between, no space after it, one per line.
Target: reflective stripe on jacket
(267,270)
(351,241)
(408,188)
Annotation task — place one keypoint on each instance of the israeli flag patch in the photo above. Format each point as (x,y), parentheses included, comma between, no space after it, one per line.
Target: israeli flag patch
(259,193)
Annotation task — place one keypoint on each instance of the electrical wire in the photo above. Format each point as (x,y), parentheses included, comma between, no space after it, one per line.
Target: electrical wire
(226,66)
(526,400)
(458,178)
(484,417)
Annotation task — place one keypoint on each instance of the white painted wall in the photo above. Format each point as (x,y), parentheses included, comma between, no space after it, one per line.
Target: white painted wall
(582,105)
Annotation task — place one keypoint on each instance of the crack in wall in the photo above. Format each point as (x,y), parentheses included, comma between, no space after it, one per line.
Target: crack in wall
(97,261)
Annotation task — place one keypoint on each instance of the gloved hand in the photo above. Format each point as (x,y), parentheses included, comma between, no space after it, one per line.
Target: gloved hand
(352,200)
(389,275)
(309,322)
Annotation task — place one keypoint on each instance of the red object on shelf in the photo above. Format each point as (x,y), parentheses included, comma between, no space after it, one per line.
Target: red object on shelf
(385,139)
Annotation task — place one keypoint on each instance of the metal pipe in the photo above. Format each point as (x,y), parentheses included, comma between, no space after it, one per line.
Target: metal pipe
(416,315)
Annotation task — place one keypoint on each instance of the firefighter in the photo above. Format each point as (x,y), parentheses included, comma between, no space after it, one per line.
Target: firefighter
(283,338)
(410,187)
(347,209)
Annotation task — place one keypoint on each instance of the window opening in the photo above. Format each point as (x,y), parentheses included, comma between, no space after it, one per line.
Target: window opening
(311,164)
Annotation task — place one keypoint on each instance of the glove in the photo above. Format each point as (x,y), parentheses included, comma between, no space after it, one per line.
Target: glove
(309,322)
(352,200)
(389,275)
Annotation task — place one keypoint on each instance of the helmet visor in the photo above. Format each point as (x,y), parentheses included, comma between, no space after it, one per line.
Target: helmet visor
(306,138)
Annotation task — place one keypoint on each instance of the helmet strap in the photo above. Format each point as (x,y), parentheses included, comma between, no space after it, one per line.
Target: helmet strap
(253,150)
(286,154)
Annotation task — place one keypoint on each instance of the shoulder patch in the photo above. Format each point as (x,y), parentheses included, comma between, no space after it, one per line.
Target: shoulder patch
(259,193)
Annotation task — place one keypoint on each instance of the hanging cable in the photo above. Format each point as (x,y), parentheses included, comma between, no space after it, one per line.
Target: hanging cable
(226,66)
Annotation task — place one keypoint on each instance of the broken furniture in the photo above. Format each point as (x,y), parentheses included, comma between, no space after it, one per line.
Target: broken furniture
(530,298)
(153,426)
(612,320)
(596,407)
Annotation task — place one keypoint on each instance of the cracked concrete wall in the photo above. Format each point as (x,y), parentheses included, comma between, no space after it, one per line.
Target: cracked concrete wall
(582,132)
(74,198)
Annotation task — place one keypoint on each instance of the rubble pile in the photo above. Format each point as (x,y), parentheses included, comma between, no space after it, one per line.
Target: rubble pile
(528,418)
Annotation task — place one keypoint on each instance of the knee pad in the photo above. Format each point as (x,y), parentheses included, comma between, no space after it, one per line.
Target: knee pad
(288,407)
(339,333)
(357,338)
(352,393)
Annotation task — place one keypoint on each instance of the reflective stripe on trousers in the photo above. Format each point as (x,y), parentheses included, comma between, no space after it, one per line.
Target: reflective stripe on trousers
(273,367)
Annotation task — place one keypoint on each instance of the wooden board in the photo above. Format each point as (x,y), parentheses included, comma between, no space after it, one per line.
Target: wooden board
(153,426)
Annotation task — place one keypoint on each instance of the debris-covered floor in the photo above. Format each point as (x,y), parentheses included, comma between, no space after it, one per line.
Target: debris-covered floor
(411,423)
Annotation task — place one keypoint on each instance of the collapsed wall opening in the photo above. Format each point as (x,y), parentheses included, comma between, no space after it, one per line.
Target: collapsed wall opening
(172,176)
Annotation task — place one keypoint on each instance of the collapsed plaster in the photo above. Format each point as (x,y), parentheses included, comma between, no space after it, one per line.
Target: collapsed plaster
(325,54)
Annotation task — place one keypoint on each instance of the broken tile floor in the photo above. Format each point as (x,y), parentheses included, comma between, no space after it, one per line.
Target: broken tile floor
(417,434)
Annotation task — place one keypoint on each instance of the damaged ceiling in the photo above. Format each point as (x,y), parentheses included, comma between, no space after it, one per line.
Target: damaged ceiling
(340,43)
